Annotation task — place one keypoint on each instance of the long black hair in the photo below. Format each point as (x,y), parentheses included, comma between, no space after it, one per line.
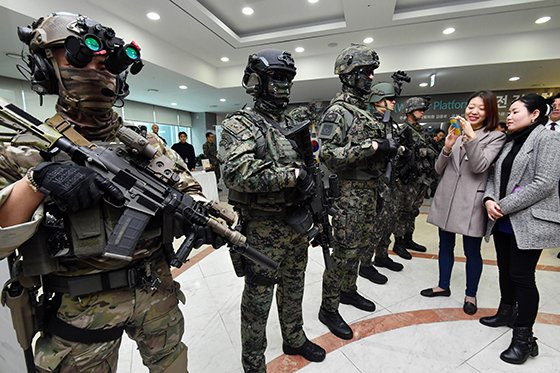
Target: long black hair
(534,102)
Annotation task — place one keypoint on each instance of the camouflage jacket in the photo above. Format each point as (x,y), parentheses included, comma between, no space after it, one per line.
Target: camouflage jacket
(424,153)
(347,132)
(210,151)
(259,162)
(14,163)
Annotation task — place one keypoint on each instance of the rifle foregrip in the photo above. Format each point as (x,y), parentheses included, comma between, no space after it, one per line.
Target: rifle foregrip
(126,234)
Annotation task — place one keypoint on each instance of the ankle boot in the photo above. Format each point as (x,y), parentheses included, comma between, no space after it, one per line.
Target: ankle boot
(411,245)
(399,248)
(505,315)
(522,345)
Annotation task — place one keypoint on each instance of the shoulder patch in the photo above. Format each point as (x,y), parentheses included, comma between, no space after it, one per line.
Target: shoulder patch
(327,130)
(330,117)
(237,127)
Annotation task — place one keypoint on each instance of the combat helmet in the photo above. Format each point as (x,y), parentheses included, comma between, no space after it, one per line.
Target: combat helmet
(355,55)
(416,103)
(262,64)
(382,90)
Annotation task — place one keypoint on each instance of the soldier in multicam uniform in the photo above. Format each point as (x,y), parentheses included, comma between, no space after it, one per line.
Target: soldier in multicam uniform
(411,192)
(355,148)
(383,99)
(267,184)
(84,331)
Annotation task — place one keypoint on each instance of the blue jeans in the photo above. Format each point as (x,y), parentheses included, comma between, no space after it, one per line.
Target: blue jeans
(446,259)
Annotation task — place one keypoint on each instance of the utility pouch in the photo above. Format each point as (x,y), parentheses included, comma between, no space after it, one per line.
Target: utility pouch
(37,256)
(301,220)
(87,231)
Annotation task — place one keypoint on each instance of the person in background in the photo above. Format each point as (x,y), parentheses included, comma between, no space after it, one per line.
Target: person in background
(502,127)
(210,151)
(155,131)
(464,164)
(523,206)
(143,130)
(185,150)
(554,120)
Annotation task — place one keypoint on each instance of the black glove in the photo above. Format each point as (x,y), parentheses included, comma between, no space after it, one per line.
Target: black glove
(205,235)
(305,184)
(387,147)
(73,187)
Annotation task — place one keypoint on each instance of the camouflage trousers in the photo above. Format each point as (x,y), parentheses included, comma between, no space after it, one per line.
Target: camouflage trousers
(274,238)
(409,198)
(152,319)
(383,227)
(353,228)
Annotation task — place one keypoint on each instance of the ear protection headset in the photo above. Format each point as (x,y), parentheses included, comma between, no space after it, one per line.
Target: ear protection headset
(43,78)
(251,80)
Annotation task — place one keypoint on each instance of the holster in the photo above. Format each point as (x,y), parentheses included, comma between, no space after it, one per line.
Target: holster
(18,300)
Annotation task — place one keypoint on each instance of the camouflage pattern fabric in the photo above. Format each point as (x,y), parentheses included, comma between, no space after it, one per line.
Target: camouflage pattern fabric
(409,198)
(152,319)
(259,168)
(274,238)
(347,149)
(210,151)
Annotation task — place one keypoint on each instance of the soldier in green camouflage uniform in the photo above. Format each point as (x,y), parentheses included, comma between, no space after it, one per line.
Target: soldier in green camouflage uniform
(383,103)
(267,184)
(354,147)
(410,192)
(84,332)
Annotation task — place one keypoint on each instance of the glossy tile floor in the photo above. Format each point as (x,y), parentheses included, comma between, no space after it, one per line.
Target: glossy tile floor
(407,332)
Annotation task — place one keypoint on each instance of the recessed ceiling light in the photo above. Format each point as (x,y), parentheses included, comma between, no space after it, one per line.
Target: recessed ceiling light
(224,59)
(183,86)
(368,40)
(542,20)
(312,1)
(448,31)
(300,49)
(423,84)
(173,104)
(152,90)
(332,44)
(223,100)
(247,11)
(514,78)
(153,16)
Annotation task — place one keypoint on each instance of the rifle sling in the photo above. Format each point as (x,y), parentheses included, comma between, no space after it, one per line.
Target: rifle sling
(65,128)
(71,333)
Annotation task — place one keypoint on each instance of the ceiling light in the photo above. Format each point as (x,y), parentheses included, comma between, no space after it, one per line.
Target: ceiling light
(432,80)
(14,55)
(448,31)
(300,49)
(183,87)
(312,1)
(423,84)
(152,90)
(223,100)
(368,40)
(247,11)
(542,20)
(514,78)
(224,59)
(173,104)
(332,44)
(153,16)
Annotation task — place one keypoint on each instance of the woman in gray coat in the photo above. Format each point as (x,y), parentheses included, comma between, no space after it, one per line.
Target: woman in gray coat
(524,211)
(457,208)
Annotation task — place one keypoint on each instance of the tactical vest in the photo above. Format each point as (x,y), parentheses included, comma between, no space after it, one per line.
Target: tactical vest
(274,147)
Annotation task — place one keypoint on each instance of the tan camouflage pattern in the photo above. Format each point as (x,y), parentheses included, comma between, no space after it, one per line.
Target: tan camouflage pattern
(152,319)
(274,238)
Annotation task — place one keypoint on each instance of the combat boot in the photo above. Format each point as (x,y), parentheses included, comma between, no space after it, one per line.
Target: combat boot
(399,248)
(372,274)
(356,300)
(335,323)
(411,245)
(309,350)
(522,345)
(386,262)
(505,316)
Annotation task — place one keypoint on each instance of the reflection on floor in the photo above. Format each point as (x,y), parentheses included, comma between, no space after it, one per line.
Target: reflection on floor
(407,332)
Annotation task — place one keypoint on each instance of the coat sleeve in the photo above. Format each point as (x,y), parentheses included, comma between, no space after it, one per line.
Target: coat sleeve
(482,157)
(441,162)
(338,151)
(547,174)
(243,171)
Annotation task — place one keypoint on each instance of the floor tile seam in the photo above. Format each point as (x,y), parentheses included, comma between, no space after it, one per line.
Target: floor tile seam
(351,362)
(411,320)
(500,335)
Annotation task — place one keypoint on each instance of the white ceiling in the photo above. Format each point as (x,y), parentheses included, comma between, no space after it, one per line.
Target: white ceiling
(495,39)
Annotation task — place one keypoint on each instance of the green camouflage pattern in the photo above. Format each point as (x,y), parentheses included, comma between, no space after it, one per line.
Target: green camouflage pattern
(349,146)
(425,155)
(152,319)
(409,198)
(353,227)
(275,239)
(416,103)
(255,162)
(356,55)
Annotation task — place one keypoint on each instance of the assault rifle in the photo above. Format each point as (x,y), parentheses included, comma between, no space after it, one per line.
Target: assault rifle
(320,205)
(145,179)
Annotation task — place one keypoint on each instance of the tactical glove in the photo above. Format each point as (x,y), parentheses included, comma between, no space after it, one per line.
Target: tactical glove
(305,184)
(387,147)
(73,187)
